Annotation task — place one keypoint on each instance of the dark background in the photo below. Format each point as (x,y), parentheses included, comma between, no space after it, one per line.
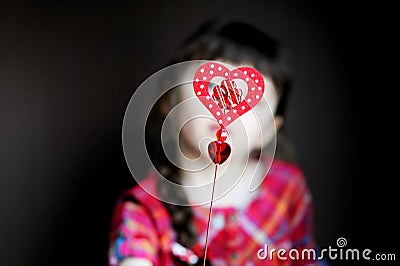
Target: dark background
(68,70)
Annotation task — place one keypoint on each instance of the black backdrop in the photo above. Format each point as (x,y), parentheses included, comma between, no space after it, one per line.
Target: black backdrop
(68,70)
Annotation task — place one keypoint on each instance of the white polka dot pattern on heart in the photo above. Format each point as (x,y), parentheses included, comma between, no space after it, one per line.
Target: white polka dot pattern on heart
(202,86)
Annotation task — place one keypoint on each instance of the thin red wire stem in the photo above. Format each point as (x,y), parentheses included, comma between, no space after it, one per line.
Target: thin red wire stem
(209,215)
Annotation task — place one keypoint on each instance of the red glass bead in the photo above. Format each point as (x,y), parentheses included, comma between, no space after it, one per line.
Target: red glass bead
(222,134)
(219,151)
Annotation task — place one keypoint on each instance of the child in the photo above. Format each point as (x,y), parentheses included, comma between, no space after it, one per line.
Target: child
(245,226)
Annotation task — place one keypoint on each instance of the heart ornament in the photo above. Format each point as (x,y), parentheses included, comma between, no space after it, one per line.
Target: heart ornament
(226,102)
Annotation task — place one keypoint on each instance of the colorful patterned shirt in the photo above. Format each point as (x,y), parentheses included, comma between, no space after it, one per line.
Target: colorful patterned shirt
(279,217)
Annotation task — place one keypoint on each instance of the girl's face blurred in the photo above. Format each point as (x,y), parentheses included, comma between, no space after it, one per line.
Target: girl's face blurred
(196,127)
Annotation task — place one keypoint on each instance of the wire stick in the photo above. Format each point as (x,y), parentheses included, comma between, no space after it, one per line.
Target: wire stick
(209,216)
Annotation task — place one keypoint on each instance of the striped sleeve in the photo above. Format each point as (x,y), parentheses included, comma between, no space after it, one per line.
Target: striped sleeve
(133,234)
(302,223)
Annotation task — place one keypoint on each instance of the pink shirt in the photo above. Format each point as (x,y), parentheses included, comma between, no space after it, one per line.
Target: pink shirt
(279,217)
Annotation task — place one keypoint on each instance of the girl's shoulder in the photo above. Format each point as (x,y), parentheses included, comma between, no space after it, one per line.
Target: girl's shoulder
(143,191)
(140,225)
(284,179)
(285,173)
(139,207)
(144,194)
